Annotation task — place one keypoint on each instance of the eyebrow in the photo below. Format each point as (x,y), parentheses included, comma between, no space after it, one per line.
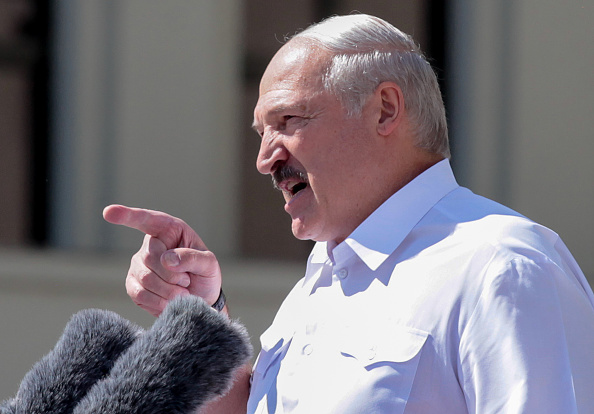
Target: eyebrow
(302,107)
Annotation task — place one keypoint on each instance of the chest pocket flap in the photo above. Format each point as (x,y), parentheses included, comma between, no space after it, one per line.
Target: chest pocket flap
(385,344)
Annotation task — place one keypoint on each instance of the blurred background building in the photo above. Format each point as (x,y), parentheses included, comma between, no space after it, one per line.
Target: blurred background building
(149,103)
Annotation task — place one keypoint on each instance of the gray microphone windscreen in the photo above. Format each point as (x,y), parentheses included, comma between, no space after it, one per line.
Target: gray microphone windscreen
(85,353)
(188,357)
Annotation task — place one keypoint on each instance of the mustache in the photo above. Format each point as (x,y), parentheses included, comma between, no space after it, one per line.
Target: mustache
(286,172)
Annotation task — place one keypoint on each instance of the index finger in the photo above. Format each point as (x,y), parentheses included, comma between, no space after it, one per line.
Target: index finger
(173,232)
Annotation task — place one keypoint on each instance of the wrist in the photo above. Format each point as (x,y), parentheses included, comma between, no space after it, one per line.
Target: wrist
(220,303)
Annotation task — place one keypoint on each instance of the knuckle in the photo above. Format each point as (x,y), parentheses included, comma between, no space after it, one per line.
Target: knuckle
(141,269)
(133,289)
(209,255)
(142,296)
(138,261)
(145,298)
(131,293)
(144,257)
(144,277)
(213,264)
(150,252)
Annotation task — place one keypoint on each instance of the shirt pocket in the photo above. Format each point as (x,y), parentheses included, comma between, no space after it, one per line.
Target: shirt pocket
(387,345)
(388,359)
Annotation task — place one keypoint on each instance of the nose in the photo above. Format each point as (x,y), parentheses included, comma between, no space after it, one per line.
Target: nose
(272,152)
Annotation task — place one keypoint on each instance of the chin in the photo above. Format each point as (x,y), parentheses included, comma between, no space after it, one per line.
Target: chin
(303,232)
(302,236)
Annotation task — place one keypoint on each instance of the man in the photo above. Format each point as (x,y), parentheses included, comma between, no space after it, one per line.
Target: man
(419,296)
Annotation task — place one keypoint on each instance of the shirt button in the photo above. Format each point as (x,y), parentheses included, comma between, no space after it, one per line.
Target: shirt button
(308,349)
(343,273)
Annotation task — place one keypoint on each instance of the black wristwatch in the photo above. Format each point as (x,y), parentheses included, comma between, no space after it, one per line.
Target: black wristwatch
(220,302)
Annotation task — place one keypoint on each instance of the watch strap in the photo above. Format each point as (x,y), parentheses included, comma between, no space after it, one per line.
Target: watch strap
(220,302)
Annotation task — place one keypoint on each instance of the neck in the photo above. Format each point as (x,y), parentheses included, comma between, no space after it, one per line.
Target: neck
(392,184)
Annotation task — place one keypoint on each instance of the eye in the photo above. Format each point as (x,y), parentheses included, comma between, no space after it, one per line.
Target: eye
(284,121)
(294,121)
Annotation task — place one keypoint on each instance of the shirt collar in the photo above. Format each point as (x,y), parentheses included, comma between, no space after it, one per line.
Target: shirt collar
(383,231)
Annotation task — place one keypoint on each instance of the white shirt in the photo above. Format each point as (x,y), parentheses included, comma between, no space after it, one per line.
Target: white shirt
(441,302)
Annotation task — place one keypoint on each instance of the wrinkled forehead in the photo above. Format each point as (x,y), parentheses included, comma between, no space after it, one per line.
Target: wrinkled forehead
(291,81)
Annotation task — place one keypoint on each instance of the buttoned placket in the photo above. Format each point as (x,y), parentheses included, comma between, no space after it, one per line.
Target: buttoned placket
(342,256)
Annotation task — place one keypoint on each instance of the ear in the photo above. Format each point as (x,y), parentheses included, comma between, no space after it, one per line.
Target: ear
(391,101)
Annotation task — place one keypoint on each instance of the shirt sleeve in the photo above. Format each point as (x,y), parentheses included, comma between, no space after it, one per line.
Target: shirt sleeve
(513,355)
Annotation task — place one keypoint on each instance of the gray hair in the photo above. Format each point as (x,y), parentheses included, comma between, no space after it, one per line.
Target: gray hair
(368,51)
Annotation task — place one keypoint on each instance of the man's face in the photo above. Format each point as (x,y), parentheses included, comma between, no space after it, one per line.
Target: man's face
(315,153)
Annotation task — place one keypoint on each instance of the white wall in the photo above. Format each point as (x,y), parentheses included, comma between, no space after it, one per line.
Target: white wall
(523,88)
(147,101)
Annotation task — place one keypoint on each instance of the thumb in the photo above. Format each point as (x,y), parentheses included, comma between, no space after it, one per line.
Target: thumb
(201,266)
(198,262)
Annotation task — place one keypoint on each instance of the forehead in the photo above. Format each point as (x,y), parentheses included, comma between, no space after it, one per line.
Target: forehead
(298,63)
(292,80)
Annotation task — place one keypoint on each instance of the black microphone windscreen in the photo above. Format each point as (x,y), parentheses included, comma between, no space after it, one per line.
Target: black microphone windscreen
(188,357)
(85,353)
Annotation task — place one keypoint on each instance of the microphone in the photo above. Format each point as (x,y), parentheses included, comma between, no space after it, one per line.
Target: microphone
(85,353)
(187,358)
(8,407)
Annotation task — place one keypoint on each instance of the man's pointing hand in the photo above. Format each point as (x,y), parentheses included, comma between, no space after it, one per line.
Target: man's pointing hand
(173,260)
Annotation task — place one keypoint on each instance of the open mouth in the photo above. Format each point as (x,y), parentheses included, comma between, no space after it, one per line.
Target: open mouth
(289,180)
(294,187)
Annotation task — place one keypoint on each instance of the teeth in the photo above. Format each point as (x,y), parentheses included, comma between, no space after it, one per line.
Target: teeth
(294,186)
